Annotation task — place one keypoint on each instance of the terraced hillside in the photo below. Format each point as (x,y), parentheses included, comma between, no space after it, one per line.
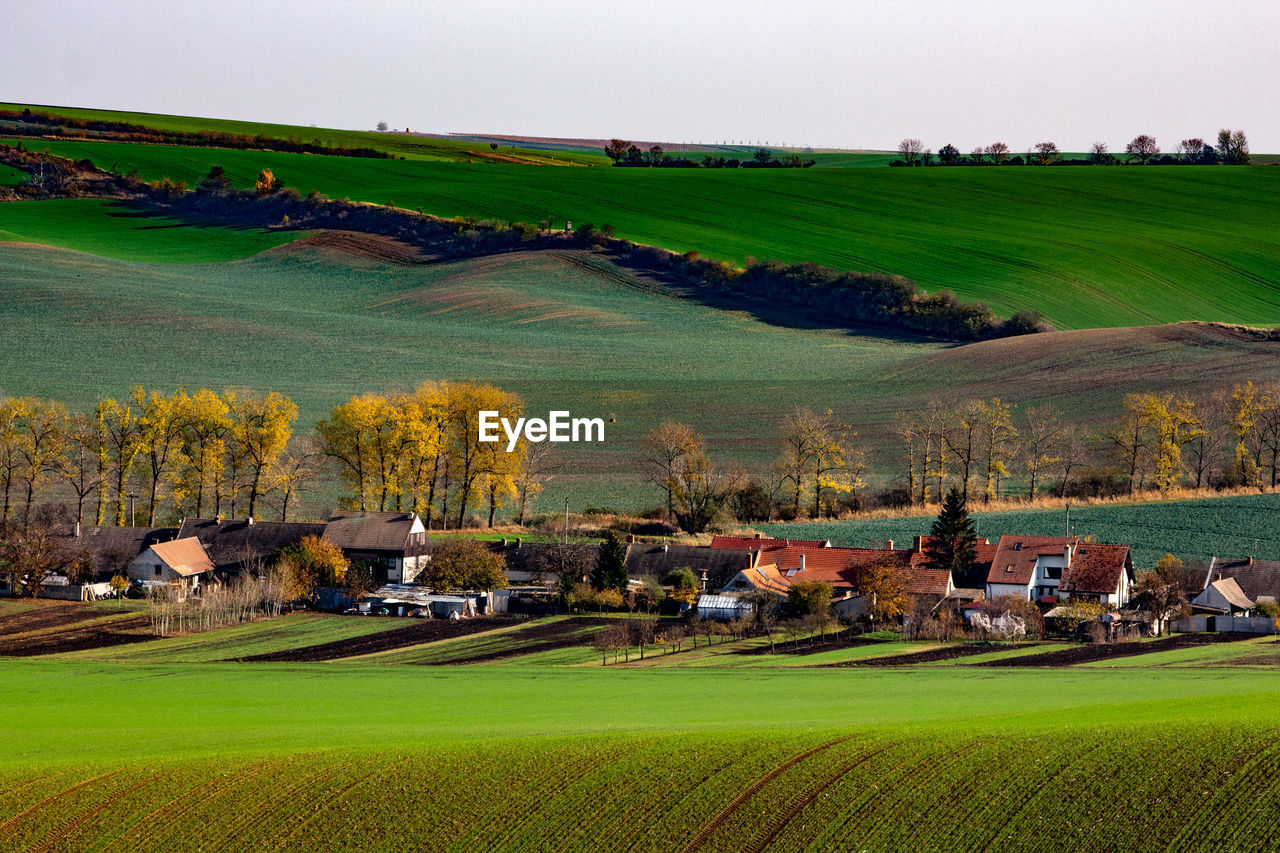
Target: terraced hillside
(1088,247)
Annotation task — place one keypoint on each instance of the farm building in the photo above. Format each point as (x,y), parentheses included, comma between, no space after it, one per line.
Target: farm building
(715,568)
(1259,580)
(723,607)
(112,549)
(394,544)
(249,545)
(1047,568)
(180,562)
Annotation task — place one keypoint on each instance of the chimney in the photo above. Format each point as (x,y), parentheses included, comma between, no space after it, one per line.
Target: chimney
(917,544)
(802,561)
(757,536)
(518,540)
(1248,562)
(631,538)
(1066,555)
(1217,576)
(890,544)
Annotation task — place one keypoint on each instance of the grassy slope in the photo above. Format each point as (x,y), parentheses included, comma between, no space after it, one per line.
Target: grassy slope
(372,757)
(401,145)
(319,326)
(114,230)
(1194,530)
(1087,247)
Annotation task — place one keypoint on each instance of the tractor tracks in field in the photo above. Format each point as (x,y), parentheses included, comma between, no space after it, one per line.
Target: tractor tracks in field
(722,817)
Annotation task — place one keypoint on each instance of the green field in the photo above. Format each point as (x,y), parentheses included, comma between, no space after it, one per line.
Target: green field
(1088,247)
(113,230)
(1237,526)
(399,144)
(562,329)
(376,758)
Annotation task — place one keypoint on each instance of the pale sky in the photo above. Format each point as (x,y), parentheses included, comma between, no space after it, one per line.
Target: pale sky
(826,74)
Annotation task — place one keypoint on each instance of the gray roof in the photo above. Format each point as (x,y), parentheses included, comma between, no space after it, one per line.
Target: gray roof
(1255,577)
(373,531)
(658,561)
(112,548)
(231,544)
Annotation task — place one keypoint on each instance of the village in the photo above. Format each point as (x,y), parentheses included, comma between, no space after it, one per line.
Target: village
(1016,588)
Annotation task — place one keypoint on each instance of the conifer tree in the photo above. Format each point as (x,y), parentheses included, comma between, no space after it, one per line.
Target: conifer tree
(951,541)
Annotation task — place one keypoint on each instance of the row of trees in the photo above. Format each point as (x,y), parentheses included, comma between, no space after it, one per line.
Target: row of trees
(624,153)
(1232,149)
(205,451)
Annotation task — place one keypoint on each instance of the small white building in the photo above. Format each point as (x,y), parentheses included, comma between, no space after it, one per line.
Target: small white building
(393,544)
(1048,568)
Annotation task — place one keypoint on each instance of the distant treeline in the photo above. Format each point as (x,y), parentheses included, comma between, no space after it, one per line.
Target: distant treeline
(838,297)
(28,123)
(1232,150)
(624,153)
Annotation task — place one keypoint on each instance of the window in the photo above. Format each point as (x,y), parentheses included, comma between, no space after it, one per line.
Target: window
(1053,572)
(157,571)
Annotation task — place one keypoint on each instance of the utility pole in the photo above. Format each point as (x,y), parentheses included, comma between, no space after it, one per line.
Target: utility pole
(566,521)
(1068,519)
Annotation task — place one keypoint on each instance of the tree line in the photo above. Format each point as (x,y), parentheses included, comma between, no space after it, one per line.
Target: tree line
(627,154)
(1232,150)
(987,450)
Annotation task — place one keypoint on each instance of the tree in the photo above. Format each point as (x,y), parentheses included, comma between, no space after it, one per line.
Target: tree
(668,448)
(260,430)
(808,598)
(1165,590)
(29,556)
(1099,155)
(997,153)
(884,584)
(1131,437)
(1191,150)
(997,442)
(610,571)
(207,426)
(1046,153)
(1043,434)
(701,492)
(949,155)
(359,581)
(118,424)
(161,428)
(817,454)
(1172,423)
(40,444)
(569,564)
(1142,148)
(382,127)
(616,149)
(458,563)
(910,150)
(1248,404)
(310,565)
(656,155)
(267,183)
(1233,147)
(80,466)
(952,541)
(1207,448)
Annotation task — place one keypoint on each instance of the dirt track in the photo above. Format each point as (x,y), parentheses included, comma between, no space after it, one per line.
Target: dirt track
(428,631)
(950,652)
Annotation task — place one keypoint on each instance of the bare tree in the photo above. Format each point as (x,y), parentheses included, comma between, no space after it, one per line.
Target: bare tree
(1191,149)
(1143,148)
(1043,434)
(910,150)
(997,153)
(1046,153)
(1099,155)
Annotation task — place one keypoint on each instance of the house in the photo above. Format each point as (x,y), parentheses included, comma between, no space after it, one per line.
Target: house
(239,546)
(763,543)
(180,562)
(1222,596)
(393,544)
(1259,580)
(112,549)
(715,567)
(1049,568)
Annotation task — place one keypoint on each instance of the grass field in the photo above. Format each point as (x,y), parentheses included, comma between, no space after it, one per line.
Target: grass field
(320,325)
(481,758)
(401,145)
(1088,247)
(1237,526)
(110,229)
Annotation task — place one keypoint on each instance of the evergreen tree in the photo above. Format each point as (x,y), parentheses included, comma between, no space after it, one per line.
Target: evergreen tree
(951,541)
(610,571)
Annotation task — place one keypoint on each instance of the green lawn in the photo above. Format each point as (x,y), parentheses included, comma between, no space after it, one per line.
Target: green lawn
(293,631)
(1236,526)
(114,230)
(1088,247)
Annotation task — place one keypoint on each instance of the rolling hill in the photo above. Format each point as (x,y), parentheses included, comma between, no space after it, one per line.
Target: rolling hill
(1088,247)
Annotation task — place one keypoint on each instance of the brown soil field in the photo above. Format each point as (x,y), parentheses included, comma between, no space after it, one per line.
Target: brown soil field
(45,614)
(428,631)
(958,650)
(540,638)
(74,638)
(356,244)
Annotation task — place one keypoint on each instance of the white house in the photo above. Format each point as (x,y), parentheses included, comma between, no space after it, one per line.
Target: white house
(1048,568)
(182,562)
(394,544)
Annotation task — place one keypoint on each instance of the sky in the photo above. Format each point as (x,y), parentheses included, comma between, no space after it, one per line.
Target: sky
(822,74)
